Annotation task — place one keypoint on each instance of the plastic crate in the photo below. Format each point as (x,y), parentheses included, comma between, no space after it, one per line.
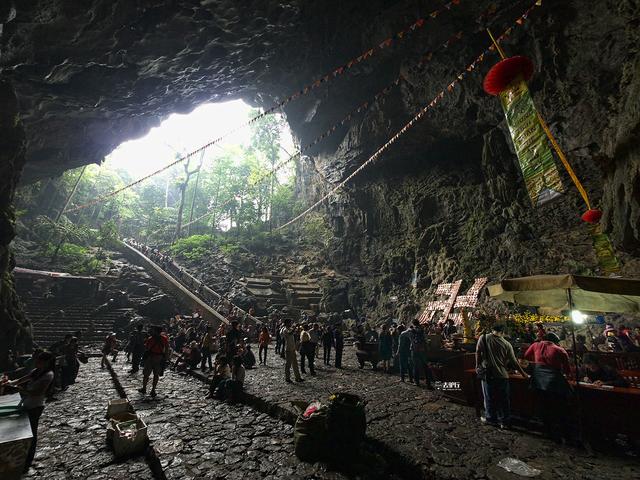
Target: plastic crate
(129,438)
(120,405)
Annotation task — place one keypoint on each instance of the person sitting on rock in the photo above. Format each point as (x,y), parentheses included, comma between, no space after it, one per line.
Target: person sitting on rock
(248,357)
(221,372)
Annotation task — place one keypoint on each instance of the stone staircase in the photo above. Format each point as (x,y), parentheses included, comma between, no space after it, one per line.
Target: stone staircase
(303,293)
(50,326)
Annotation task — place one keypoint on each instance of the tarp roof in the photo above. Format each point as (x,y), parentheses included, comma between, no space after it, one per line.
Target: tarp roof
(589,294)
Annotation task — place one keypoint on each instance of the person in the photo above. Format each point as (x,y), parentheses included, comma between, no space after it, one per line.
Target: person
(221,372)
(289,345)
(625,341)
(206,349)
(581,345)
(109,347)
(136,344)
(156,354)
(195,356)
(71,363)
(279,340)
(238,371)
(263,344)
(540,331)
(593,371)
(233,338)
(370,335)
(494,357)
(611,338)
(307,350)
(550,361)
(248,358)
(385,346)
(327,342)
(404,353)
(33,389)
(338,344)
(419,355)
(449,328)
(314,333)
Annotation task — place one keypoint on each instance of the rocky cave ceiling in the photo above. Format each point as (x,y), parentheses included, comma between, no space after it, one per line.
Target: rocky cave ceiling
(92,74)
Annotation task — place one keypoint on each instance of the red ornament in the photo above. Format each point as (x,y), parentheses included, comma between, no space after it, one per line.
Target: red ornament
(592,215)
(502,74)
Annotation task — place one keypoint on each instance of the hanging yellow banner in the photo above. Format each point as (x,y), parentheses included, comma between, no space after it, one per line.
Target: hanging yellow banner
(607,259)
(541,176)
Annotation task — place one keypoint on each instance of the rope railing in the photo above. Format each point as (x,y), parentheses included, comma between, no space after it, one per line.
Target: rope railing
(335,73)
(425,58)
(415,119)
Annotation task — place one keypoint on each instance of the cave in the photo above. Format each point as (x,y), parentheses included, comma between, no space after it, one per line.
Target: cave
(445,201)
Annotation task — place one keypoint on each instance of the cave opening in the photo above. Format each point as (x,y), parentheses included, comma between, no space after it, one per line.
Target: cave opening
(404,187)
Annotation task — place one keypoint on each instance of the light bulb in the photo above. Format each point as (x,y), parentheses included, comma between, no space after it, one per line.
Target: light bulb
(578,317)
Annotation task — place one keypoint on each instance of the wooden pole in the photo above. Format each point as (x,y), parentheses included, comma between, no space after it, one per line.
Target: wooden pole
(71,193)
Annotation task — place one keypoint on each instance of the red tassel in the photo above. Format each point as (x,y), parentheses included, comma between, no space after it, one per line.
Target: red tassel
(592,216)
(503,73)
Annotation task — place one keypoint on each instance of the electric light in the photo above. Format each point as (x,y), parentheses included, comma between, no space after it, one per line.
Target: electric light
(578,317)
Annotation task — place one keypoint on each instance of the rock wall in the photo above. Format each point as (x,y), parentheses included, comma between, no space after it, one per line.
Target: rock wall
(14,328)
(447,201)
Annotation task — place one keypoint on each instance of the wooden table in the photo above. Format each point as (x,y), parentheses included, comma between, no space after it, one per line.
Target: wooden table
(15,440)
(602,409)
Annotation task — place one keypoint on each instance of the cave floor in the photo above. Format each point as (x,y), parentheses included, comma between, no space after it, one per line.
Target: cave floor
(443,438)
(199,438)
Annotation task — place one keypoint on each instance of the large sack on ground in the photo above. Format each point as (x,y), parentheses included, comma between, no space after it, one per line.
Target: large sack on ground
(347,423)
(310,433)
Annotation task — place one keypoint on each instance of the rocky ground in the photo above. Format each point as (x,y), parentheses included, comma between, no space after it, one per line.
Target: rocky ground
(72,434)
(441,439)
(199,438)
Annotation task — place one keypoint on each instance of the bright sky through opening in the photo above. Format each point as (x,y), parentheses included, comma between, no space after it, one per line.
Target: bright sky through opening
(184,133)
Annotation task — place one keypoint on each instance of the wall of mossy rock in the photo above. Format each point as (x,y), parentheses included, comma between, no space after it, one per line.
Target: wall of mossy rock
(14,327)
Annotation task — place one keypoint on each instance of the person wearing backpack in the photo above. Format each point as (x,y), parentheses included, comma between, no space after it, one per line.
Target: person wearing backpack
(419,354)
(494,358)
(156,354)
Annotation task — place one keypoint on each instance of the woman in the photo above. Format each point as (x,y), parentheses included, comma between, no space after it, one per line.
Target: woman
(263,341)
(385,347)
(33,390)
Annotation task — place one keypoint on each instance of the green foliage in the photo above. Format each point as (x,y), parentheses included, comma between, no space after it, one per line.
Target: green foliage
(108,235)
(316,230)
(76,258)
(194,248)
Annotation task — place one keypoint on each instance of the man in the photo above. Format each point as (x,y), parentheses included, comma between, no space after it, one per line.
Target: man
(314,333)
(289,346)
(207,348)
(157,353)
(494,357)
(404,353)
(307,350)
(593,371)
(419,355)
(550,361)
(136,342)
(233,337)
(327,342)
(338,344)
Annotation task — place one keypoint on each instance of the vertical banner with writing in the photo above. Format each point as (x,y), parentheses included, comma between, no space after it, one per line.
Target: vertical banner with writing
(607,259)
(534,155)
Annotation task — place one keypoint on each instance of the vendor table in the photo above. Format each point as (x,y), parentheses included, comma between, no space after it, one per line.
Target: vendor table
(603,410)
(15,439)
